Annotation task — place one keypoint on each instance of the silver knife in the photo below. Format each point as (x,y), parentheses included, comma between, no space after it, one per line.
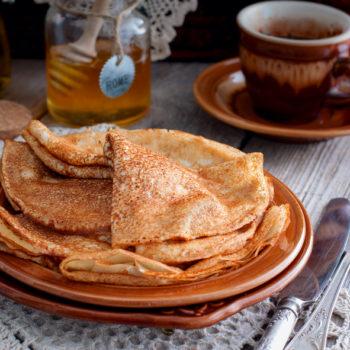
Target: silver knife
(313,334)
(330,241)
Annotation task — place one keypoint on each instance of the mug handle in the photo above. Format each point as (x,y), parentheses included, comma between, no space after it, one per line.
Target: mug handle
(339,94)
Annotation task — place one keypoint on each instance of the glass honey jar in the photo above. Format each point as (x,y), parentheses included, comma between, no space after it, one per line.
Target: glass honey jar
(81,36)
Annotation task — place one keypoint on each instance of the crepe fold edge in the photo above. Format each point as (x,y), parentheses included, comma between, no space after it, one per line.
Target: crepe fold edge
(43,260)
(63,151)
(274,223)
(170,252)
(32,243)
(63,168)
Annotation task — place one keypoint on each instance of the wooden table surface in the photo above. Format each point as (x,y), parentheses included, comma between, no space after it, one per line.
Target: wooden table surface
(316,172)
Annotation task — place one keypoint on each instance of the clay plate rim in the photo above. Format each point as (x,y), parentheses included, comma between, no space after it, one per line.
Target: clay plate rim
(262,269)
(26,295)
(205,92)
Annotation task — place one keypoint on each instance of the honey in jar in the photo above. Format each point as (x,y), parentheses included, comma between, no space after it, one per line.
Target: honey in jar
(74,95)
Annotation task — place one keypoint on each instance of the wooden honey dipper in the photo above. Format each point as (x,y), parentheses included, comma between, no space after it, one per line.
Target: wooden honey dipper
(84,49)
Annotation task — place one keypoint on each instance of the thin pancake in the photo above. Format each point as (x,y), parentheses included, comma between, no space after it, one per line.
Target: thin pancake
(170,252)
(21,234)
(81,155)
(179,252)
(78,171)
(155,199)
(116,266)
(275,222)
(75,149)
(41,260)
(69,205)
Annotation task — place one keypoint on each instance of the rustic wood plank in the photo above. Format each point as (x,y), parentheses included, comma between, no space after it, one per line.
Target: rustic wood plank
(28,85)
(316,172)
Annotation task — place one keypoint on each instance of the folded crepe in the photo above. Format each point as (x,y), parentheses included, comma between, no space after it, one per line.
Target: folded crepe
(81,155)
(64,168)
(178,252)
(118,266)
(155,199)
(45,261)
(19,233)
(69,205)
(275,222)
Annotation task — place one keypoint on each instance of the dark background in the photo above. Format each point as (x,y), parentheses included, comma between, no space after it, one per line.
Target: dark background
(208,34)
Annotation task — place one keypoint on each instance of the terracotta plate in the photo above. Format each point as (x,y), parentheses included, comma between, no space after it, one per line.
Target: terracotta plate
(221,91)
(262,269)
(194,316)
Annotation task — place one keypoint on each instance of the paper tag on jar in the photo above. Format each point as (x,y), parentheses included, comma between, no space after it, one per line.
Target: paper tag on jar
(116,79)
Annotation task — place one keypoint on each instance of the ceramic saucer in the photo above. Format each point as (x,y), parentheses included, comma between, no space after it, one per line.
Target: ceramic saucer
(221,91)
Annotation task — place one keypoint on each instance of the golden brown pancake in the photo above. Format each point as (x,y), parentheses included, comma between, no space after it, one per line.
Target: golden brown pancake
(46,261)
(116,266)
(78,171)
(71,205)
(81,155)
(275,222)
(178,252)
(75,149)
(156,199)
(174,253)
(21,234)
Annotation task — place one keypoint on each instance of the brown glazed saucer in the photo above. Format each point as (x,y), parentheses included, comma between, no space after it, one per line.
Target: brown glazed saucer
(272,262)
(189,317)
(220,90)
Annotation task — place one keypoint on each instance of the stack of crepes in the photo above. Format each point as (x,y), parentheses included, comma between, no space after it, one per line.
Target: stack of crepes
(143,207)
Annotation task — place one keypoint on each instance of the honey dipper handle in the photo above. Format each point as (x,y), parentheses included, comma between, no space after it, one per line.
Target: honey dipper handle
(93,26)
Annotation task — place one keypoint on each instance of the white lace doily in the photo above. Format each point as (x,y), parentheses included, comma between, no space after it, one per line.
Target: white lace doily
(164,16)
(23,328)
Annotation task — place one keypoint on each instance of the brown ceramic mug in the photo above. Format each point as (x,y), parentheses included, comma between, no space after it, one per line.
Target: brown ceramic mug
(290,52)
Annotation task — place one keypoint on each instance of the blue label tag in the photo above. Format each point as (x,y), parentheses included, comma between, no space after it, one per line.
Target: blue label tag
(116,79)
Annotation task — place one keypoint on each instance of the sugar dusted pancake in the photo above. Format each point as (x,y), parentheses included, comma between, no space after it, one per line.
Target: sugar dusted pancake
(21,234)
(81,155)
(71,205)
(275,222)
(63,168)
(76,149)
(177,252)
(155,199)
